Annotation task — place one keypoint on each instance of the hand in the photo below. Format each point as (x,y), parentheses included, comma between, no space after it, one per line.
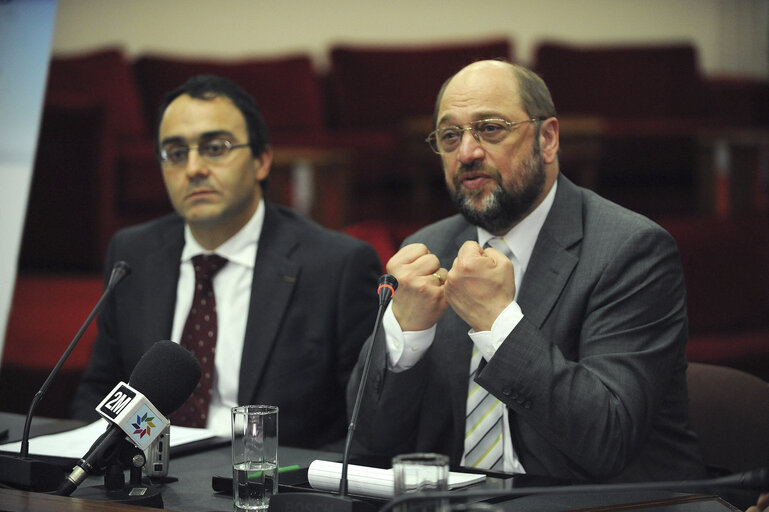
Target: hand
(480,285)
(419,303)
(761,505)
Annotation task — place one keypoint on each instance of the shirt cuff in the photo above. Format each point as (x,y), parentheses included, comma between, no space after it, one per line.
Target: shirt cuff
(404,349)
(489,341)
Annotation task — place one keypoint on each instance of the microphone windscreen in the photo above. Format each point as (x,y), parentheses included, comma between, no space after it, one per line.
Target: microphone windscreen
(167,375)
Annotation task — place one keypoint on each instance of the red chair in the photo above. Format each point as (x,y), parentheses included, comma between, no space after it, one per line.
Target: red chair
(651,100)
(727,284)
(620,83)
(104,76)
(378,234)
(92,125)
(729,411)
(46,313)
(286,89)
(380,87)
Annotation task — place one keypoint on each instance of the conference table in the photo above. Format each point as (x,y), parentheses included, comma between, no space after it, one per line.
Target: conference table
(195,468)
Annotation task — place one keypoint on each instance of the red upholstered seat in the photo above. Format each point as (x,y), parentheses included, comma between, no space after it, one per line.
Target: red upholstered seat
(730,414)
(104,76)
(623,82)
(378,87)
(726,267)
(651,100)
(92,128)
(286,89)
(46,314)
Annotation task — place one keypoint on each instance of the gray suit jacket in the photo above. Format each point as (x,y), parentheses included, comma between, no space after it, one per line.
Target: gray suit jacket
(593,376)
(313,304)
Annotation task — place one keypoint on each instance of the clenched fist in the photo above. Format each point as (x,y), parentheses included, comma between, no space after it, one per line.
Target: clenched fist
(419,302)
(480,285)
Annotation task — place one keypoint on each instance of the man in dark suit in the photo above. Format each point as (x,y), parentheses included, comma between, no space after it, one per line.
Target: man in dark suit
(294,301)
(556,350)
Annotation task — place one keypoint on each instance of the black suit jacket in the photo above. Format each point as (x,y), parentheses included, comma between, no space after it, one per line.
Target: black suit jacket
(313,303)
(594,376)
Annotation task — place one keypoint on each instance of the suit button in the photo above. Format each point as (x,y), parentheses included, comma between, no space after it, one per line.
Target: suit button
(527,404)
(507,391)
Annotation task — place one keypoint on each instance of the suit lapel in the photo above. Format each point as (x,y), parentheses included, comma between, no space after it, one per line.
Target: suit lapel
(271,290)
(551,263)
(162,271)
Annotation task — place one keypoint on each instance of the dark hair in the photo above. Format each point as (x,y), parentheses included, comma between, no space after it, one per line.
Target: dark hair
(207,87)
(532,90)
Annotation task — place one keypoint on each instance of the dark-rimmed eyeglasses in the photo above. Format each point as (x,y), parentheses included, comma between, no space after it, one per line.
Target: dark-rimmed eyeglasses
(211,150)
(491,131)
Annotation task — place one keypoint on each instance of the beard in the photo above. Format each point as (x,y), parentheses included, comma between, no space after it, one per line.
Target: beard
(504,207)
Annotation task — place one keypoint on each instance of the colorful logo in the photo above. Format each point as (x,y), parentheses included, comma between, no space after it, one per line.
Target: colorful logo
(143,425)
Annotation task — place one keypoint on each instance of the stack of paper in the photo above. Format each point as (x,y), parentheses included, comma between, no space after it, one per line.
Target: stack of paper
(367,481)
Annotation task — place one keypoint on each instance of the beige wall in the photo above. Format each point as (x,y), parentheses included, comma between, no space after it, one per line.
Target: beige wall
(732,36)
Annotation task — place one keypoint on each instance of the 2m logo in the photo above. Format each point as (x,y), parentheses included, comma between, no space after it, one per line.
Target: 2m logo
(118,400)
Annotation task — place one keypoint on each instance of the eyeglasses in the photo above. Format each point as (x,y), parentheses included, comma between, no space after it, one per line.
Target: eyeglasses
(211,150)
(491,131)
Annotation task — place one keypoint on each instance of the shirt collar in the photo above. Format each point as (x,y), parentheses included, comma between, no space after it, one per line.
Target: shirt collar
(240,248)
(522,237)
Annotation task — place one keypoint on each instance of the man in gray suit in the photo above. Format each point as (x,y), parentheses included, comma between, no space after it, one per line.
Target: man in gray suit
(554,343)
(294,301)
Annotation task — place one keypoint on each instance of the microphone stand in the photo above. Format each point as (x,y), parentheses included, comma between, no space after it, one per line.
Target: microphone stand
(125,455)
(291,502)
(30,474)
(386,289)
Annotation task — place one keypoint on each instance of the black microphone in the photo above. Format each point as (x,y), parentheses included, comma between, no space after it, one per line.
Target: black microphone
(287,502)
(166,375)
(757,480)
(34,475)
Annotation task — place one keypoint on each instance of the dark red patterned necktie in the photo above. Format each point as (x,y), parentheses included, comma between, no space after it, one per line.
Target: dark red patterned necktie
(199,337)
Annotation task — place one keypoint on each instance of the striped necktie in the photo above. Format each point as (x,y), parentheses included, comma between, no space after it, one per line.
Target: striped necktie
(484,446)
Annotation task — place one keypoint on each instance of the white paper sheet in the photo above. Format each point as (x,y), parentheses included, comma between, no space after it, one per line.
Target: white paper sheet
(367,481)
(75,443)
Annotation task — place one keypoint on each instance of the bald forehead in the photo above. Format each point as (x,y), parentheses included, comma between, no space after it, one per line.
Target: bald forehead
(487,67)
(486,87)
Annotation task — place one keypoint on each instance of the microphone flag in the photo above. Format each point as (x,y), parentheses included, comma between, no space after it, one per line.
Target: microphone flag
(130,410)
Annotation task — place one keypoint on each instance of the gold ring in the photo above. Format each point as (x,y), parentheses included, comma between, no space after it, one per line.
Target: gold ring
(437,276)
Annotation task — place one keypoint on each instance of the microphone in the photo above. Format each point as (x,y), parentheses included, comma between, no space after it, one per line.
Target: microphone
(30,474)
(161,382)
(757,480)
(386,289)
(288,502)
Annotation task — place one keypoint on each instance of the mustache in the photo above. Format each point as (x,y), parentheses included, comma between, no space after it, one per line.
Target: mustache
(476,166)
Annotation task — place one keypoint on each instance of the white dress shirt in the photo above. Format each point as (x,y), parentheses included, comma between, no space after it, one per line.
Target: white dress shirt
(232,289)
(405,349)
